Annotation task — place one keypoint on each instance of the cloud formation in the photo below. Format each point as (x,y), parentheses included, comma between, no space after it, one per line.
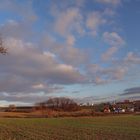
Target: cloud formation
(68,21)
(101,75)
(60,44)
(131,91)
(94,21)
(132,58)
(28,66)
(115,41)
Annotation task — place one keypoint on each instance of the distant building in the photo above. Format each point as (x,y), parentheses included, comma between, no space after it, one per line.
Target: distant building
(137,106)
(125,106)
(12,108)
(107,108)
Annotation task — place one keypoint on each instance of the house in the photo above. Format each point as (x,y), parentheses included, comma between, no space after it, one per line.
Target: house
(137,106)
(107,108)
(126,106)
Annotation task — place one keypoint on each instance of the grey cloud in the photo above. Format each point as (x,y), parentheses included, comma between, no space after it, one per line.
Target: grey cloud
(14,83)
(131,91)
(26,66)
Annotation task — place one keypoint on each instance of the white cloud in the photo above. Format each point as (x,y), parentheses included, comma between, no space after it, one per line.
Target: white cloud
(49,54)
(119,73)
(132,58)
(113,39)
(70,40)
(68,21)
(94,21)
(101,75)
(98,80)
(109,53)
(38,86)
(73,56)
(66,52)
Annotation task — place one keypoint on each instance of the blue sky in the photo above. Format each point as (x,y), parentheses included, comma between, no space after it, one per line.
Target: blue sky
(72,48)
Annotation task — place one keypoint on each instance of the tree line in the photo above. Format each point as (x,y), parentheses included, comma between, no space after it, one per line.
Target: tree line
(58,104)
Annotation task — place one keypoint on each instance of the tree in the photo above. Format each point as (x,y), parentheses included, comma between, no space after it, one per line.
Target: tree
(62,103)
(59,104)
(3,50)
(99,107)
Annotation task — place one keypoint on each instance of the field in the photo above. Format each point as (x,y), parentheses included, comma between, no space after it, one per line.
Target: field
(88,128)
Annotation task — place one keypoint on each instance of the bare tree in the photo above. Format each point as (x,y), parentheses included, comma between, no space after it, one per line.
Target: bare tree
(3,50)
(62,103)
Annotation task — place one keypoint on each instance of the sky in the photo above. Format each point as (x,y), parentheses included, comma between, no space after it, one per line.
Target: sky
(83,49)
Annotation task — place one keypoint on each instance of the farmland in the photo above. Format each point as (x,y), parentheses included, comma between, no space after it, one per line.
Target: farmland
(125,127)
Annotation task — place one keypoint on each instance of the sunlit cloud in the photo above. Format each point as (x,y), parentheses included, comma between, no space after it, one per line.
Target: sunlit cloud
(60,45)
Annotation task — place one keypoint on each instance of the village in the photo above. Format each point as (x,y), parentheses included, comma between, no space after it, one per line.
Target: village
(72,108)
(122,107)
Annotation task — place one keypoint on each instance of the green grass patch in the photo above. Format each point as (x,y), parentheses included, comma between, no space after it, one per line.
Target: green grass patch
(89,128)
